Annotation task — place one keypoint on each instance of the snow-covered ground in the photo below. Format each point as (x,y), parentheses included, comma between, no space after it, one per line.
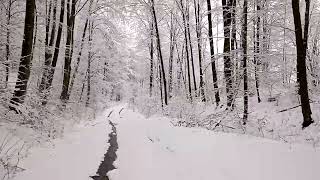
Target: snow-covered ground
(76,156)
(154,149)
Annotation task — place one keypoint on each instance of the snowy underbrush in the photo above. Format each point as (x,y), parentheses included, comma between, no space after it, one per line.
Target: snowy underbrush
(280,119)
(36,125)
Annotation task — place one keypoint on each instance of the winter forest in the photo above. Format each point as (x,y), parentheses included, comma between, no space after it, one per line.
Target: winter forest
(160,89)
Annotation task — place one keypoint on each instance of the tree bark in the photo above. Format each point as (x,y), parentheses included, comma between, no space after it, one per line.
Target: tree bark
(26,57)
(198,33)
(187,50)
(172,44)
(302,44)
(90,58)
(244,59)
(69,50)
(257,51)
(48,47)
(160,52)
(191,48)
(151,58)
(213,63)
(226,5)
(56,53)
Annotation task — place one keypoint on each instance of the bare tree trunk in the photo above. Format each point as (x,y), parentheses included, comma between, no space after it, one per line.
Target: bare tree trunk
(244,59)
(213,63)
(257,51)
(302,45)
(69,50)
(78,58)
(49,45)
(198,32)
(90,58)
(26,57)
(226,51)
(191,48)
(56,53)
(151,58)
(160,52)
(7,64)
(187,50)
(172,44)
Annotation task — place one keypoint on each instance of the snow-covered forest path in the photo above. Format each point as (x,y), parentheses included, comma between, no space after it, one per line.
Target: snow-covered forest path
(154,149)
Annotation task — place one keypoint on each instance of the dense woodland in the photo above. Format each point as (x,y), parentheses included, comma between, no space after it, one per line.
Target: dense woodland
(174,57)
(242,66)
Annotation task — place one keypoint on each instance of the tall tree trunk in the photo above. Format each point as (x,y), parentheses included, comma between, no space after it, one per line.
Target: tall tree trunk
(90,58)
(76,68)
(56,53)
(302,45)
(191,48)
(151,58)
(78,58)
(213,63)
(187,50)
(244,59)
(172,44)
(7,64)
(26,57)
(160,52)
(49,45)
(256,57)
(69,50)
(198,32)
(226,51)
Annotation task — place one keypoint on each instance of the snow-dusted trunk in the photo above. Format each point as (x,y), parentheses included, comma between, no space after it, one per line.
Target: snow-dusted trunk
(49,44)
(302,44)
(226,5)
(172,45)
(69,50)
(191,48)
(256,57)
(151,58)
(244,37)
(159,52)
(213,62)
(187,50)
(26,57)
(56,53)
(198,33)
(90,58)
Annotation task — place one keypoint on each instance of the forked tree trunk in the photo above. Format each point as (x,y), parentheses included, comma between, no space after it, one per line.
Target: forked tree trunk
(302,45)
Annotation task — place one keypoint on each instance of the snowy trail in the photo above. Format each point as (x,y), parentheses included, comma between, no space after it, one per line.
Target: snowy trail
(154,149)
(76,156)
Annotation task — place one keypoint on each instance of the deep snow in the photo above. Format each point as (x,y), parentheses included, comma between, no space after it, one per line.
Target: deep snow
(152,149)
